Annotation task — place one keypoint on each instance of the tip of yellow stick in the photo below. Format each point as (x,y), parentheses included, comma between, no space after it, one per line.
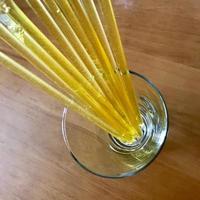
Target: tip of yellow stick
(131,136)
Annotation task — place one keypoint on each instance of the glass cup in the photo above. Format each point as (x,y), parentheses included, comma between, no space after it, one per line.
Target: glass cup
(103,155)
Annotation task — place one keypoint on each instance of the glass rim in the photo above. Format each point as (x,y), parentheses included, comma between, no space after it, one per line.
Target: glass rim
(131,173)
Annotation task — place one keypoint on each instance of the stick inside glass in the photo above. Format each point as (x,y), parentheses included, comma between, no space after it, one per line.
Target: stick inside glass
(91,77)
(102,154)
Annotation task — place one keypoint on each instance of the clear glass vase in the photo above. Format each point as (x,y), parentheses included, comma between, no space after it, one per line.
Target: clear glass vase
(103,155)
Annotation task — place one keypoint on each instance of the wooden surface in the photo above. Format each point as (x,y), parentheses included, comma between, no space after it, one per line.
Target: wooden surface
(162,41)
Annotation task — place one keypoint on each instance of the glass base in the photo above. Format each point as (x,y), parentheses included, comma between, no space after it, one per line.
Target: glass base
(106,156)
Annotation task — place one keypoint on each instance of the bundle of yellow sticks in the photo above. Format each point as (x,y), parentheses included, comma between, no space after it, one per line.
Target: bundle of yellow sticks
(86,68)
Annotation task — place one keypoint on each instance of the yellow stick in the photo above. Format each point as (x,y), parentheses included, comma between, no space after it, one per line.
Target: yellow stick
(43,13)
(79,30)
(114,38)
(86,33)
(68,31)
(69,76)
(72,70)
(97,24)
(116,83)
(46,17)
(59,75)
(66,36)
(33,79)
(117,79)
(70,52)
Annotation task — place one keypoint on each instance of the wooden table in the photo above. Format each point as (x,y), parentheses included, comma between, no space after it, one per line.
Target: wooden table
(162,41)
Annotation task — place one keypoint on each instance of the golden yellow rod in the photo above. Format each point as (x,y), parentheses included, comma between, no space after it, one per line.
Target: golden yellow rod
(59,75)
(114,77)
(112,31)
(36,81)
(86,24)
(79,30)
(97,24)
(116,82)
(68,31)
(120,81)
(117,78)
(46,17)
(89,97)
(17,14)
(39,12)
(90,41)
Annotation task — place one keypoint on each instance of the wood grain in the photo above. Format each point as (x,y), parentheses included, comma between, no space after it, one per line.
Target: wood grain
(162,41)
